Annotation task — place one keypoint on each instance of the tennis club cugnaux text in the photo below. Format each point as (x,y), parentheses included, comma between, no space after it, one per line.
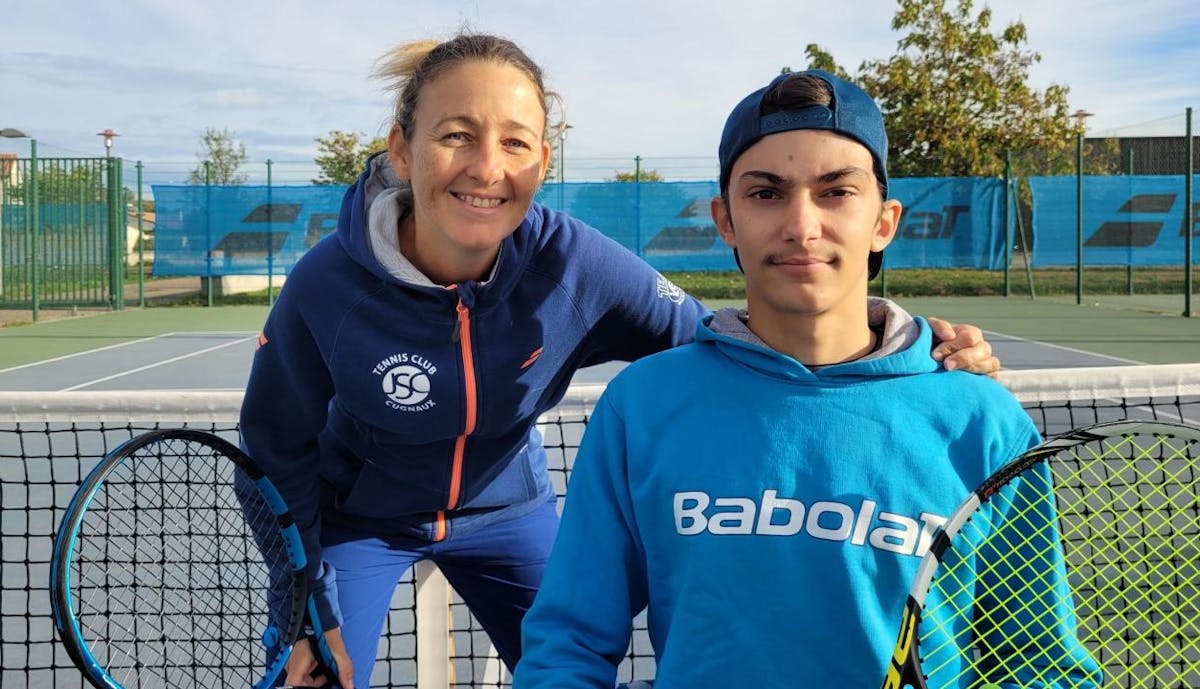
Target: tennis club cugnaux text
(697,512)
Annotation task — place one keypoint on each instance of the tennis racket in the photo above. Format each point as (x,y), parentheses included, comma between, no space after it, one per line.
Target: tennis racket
(1075,565)
(177,564)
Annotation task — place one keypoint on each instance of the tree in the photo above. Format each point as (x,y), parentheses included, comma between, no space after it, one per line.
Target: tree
(59,182)
(956,95)
(638,176)
(342,155)
(225,156)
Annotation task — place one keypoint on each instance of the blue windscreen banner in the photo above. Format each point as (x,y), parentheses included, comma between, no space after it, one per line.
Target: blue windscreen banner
(666,223)
(253,230)
(1137,220)
(948,222)
(245,230)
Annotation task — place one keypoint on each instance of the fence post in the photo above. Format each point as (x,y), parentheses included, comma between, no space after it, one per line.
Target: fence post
(270,240)
(110,230)
(1129,239)
(637,205)
(117,249)
(1189,218)
(208,228)
(36,221)
(141,242)
(1079,217)
(1008,254)
(562,169)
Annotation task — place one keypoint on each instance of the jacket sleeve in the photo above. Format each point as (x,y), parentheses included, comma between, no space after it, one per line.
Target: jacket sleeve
(283,412)
(579,627)
(635,309)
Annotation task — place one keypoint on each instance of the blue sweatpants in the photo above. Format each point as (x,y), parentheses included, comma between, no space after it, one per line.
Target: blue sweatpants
(496,570)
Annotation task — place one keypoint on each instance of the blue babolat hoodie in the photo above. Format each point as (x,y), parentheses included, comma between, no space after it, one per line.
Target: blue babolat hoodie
(768,516)
(396,406)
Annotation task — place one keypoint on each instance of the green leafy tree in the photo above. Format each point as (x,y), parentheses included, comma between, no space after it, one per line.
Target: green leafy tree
(635,176)
(956,95)
(342,155)
(60,183)
(225,156)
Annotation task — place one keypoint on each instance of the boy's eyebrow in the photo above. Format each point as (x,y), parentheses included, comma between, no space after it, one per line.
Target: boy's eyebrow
(825,178)
(836,175)
(768,177)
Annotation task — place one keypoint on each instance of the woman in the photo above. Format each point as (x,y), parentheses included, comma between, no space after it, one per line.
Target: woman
(399,376)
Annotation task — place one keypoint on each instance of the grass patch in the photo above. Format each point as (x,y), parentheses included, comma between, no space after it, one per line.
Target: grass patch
(900,282)
(958,282)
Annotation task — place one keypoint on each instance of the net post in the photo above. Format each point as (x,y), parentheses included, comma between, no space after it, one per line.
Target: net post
(433,627)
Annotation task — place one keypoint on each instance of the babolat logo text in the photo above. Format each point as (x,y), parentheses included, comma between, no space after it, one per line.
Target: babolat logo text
(696,512)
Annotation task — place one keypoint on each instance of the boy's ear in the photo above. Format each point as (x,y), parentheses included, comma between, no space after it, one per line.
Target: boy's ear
(889,222)
(720,215)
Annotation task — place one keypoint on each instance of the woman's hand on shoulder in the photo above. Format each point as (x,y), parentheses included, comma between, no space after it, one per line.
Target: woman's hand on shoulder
(963,347)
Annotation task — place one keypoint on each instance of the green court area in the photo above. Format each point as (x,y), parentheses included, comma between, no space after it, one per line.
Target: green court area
(23,344)
(1146,329)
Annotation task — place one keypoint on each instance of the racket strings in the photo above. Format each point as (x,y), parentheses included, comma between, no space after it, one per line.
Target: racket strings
(969,582)
(1139,560)
(165,630)
(1127,518)
(131,565)
(169,574)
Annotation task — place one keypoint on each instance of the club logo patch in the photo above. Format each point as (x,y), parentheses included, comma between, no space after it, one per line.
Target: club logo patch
(407,382)
(668,290)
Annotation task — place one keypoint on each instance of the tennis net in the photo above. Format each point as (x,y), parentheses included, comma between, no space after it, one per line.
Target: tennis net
(50,440)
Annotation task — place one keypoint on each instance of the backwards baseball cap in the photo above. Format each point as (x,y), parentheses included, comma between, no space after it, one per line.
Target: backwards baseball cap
(851,113)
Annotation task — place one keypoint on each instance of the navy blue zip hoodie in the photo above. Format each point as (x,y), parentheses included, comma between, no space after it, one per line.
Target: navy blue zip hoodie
(398,406)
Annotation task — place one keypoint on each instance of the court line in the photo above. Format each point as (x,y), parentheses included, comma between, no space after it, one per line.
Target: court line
(1065,348)
(160,363)
(85,352)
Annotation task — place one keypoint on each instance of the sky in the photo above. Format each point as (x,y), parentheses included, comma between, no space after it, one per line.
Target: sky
(649,78)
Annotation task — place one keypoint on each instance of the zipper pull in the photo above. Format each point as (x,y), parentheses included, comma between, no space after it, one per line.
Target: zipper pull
(462,312)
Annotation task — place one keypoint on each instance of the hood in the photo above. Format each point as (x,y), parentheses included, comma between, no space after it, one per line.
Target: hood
(904,348)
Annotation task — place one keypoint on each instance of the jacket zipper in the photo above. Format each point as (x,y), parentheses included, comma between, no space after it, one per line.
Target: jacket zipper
(460,443)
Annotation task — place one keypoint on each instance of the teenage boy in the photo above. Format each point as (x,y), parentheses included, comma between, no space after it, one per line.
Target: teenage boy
(767,492)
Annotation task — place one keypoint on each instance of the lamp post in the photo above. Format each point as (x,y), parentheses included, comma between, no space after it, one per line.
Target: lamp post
(1080,115)
(108,135)
(7,133)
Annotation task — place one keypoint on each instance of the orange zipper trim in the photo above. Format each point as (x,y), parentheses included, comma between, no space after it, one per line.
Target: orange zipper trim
(460,443)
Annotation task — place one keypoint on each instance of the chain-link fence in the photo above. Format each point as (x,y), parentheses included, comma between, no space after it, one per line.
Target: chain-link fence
(62,233)
(1111,213)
